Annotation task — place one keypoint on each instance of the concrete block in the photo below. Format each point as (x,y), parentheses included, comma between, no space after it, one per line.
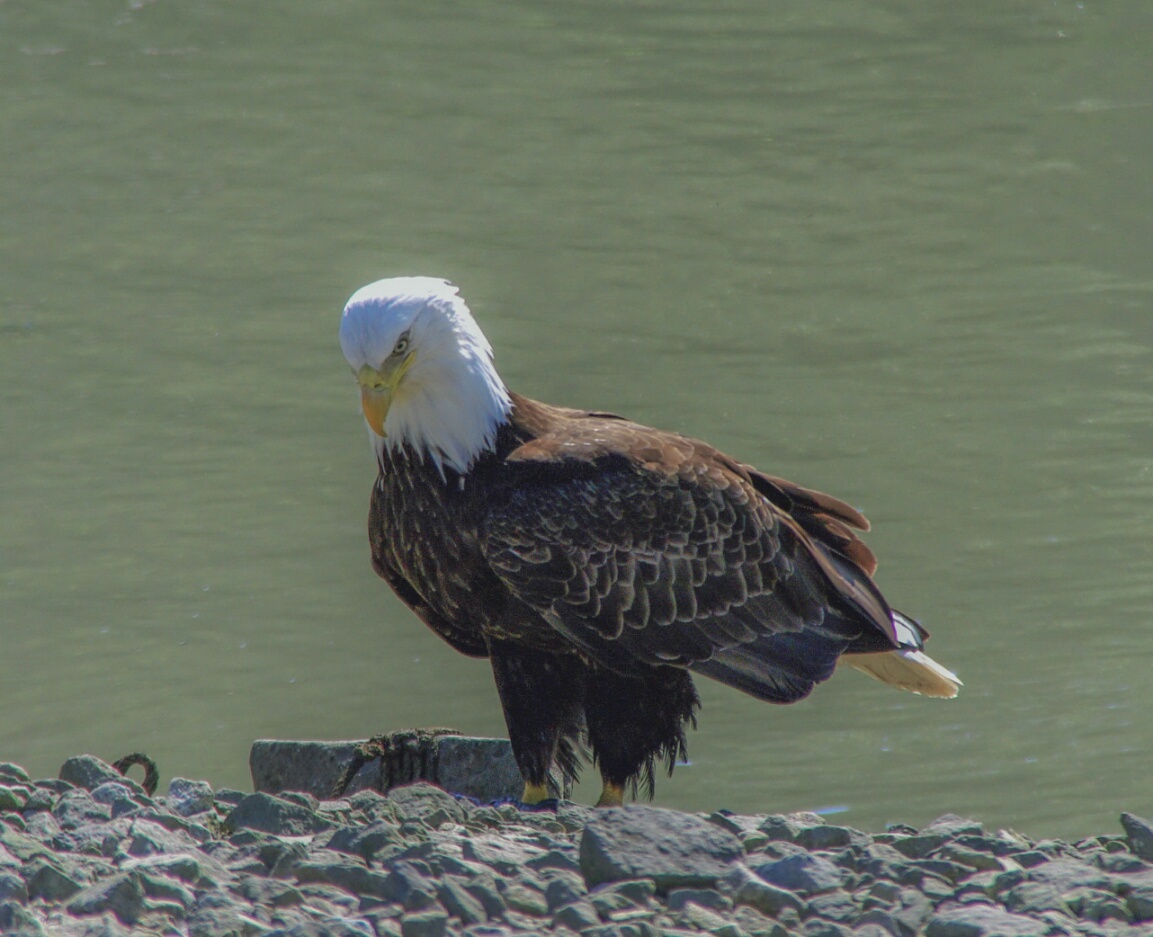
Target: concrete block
(476,767)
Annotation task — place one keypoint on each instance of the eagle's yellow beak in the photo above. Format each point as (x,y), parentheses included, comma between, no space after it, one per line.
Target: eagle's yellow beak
(377,388)
(375,403)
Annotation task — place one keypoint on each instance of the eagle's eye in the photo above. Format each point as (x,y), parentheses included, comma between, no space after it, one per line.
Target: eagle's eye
(401,345)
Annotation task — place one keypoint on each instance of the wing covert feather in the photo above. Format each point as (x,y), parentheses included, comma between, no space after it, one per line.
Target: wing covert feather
(640,563)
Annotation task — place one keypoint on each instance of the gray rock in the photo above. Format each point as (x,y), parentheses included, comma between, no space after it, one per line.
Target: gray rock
(983,921)
(186,868)
(118,797)
(14,821)
(1092,904)
(419,861)
(227,797)
(363,841)
(876,918)
(1140,901)
(638,891)
(1030,858)
(755,924)
(573,818)
(171,821)
(803,874)
(280,859)
(1121,863)
(459,903)
(475,767)
(577,915)
(563,860)
(882,861)
(499,853)
(1004,843)
(522,899)
(1035,897)
(837,905)
(883,892)
(787,828)
(935,889)
(351,876)
(152,839)
(77,808)
(188,798)
(430,923)
(12,798)
(995,884)
(330,927)
(563,889)
(944,869)
(10,773)
(12,888)
(22,845)
(911,910)
(275,815)
(220,921)
(748,889)
(735,823)
(871,929)
(1068,874)
(702,918)
(17,921)
(47,881)
(268,892)
(163,889)
(407,885)
(819,927)
(608,903)
(1140,835)
(89,772)
(704,897)
(122,895)
(672,849)
(427,804)
(974,859)
(39,799)
(829,837)
(385,925)
(484,890)
(953,825)
(97,839)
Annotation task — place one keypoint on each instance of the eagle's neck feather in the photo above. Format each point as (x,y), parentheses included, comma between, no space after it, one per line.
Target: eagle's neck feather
(450,406)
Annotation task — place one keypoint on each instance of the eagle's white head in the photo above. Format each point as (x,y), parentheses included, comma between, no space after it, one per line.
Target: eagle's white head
(425,370)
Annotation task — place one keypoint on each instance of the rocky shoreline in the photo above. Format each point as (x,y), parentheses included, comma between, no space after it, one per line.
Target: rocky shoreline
(90,853)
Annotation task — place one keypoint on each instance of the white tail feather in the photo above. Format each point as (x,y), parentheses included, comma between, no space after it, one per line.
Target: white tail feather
(909,670)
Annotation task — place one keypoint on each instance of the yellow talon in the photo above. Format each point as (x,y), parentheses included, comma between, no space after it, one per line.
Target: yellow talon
(612,795)
(534,794)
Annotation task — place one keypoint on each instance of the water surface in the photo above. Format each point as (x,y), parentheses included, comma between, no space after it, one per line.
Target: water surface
(898,252)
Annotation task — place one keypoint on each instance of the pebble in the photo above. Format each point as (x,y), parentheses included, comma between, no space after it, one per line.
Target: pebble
(90,853)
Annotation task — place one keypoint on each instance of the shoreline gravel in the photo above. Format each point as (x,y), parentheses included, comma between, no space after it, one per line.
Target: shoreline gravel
(90,854)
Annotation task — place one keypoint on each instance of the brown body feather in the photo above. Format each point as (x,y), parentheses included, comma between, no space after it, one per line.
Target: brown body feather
(597,561)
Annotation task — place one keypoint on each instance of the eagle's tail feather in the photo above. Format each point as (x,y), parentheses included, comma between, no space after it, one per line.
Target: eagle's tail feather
(907,669)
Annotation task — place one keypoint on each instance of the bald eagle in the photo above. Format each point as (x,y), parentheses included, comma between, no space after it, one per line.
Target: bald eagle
(595,562)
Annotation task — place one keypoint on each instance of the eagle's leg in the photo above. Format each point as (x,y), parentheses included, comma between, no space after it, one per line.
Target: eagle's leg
(541,694)
(633,722)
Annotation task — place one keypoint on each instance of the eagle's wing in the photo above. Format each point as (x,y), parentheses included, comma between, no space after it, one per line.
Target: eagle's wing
(648,547)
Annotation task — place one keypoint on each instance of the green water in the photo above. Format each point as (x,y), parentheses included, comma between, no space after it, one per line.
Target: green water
(896,251)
